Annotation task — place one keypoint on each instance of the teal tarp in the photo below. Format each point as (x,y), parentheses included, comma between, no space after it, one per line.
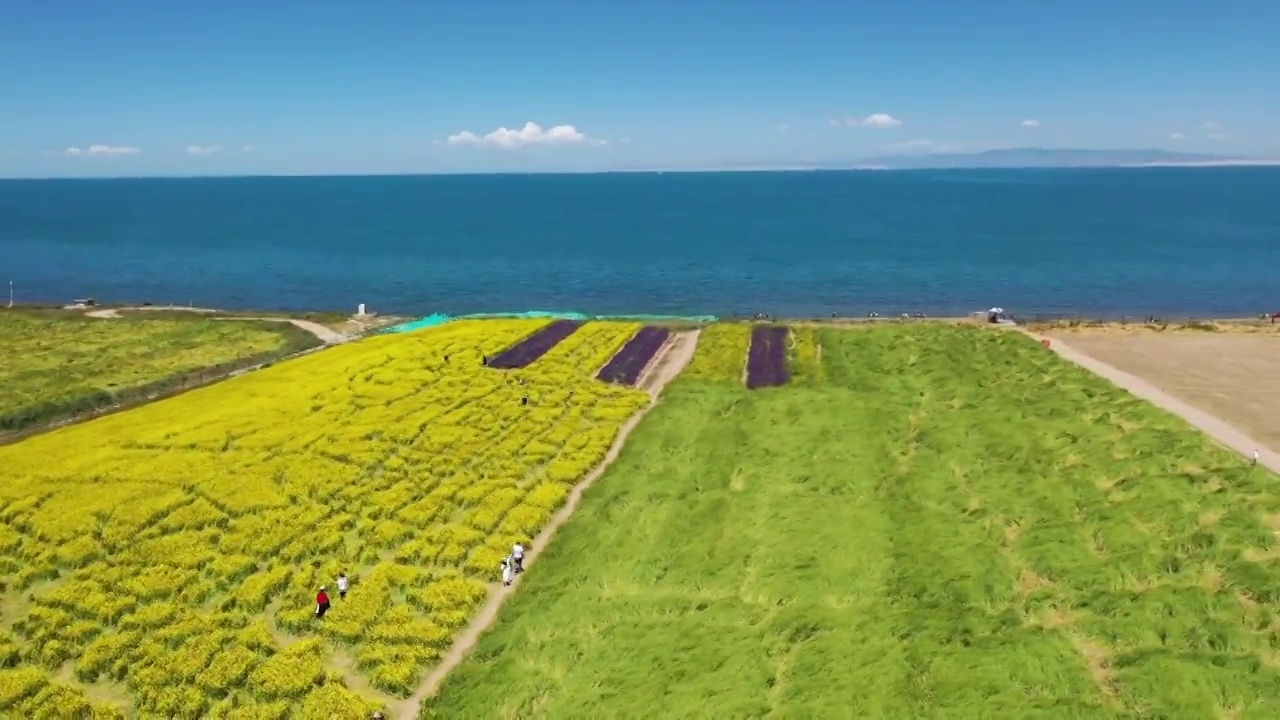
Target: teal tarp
(426,322)
(529,315)
(441,318)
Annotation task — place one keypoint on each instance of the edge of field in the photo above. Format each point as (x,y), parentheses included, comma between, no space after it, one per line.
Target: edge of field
(330,318)
(670,361)
(297,341)
(1217,429)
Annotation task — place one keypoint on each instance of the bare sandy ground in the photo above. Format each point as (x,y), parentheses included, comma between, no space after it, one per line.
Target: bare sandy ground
(673,359)
(1222,383)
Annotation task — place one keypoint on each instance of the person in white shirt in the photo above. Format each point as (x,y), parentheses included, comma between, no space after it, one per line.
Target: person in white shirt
(342,586)
(517,554)
(506,570)
(1255,456)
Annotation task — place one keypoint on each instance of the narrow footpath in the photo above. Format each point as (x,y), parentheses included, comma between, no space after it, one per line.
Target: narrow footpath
(326,335)
(670,361)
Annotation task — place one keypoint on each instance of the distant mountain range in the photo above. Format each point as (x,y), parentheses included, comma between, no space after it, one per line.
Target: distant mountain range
(1046,158)
(1010,158)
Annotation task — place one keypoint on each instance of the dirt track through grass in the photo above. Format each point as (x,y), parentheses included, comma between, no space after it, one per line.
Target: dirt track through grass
(671,359)
(943,522)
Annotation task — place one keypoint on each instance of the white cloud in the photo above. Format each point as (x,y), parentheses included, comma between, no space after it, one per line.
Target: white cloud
(1217,136)
(879,121)
(98,150)
(835,122)
(203,149)
(1030,123)
(247,148)
(1177,136)
(1209,126)
(531,134)
(109,150)
(784,127)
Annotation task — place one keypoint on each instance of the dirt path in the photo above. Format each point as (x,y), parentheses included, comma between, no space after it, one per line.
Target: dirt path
(1211,425)
(326,335)
(674,359)
(108,314)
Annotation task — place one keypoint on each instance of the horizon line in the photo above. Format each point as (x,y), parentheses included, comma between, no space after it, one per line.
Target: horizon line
(1172,158)
(1172,164)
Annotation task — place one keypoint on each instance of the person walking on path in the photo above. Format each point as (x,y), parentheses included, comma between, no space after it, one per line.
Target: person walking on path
(1255,456)
(506,570)
(322,603)
(342,586)
(517,554)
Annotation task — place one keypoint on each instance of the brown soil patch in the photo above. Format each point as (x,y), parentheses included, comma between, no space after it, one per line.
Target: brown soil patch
(1229,374)
(1096,657)
(1029,582)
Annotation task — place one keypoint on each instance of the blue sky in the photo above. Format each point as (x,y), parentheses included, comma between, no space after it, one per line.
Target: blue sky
(146,87)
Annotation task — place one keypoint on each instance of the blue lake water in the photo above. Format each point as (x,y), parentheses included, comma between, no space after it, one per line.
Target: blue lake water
(1166,241)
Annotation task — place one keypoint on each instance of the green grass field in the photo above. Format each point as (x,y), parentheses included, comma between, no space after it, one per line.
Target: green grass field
(930,521)
(57,366)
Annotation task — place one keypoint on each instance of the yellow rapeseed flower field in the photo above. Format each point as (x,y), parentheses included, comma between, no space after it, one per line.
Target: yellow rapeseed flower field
(165,560)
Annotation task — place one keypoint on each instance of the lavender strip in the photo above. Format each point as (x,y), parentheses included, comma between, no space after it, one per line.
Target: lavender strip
(625,367)
(535,346)
(767,359)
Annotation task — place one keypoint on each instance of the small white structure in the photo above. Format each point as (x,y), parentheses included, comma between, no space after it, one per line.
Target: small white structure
(997,315)
(360,310)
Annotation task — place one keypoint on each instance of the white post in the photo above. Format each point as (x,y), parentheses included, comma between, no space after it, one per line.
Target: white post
(11,294)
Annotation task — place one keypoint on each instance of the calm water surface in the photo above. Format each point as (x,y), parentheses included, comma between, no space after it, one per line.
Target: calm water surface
(1166,241)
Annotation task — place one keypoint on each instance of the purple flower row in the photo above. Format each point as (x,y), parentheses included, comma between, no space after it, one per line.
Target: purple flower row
(625,367)
(535,346)
(767,358)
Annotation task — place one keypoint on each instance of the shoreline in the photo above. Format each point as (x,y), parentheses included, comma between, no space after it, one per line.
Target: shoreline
(374,321)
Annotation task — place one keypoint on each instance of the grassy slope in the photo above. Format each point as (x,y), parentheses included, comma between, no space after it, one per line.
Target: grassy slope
(57,361)
(943,521)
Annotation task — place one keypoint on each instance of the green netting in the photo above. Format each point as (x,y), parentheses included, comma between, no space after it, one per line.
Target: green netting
(419,324)
(441,318)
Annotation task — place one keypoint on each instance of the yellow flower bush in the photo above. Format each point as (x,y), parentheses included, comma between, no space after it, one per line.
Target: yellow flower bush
(722,353)
(175,550)
(28,692)
(804,355)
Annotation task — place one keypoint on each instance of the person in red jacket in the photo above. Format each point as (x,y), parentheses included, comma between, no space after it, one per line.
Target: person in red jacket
(322,603)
